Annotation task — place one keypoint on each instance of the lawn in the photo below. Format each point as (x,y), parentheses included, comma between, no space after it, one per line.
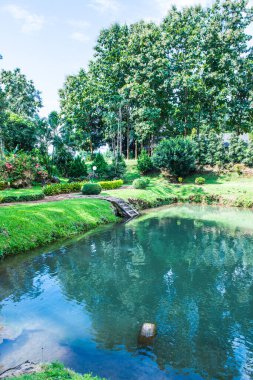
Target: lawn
(27,226)
(231,187)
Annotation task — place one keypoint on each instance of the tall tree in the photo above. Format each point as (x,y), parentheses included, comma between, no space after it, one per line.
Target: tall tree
(21,96)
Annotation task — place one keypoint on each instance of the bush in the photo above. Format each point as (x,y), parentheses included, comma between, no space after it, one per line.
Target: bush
(9,199)
(176,156)
(109,185)
(200,181)
(117,169)
(21,169)
(238,168)
(102,166)
(144,164)
(3,185)
(62,188)
(140,183)
(91,189)
(21,198)
(31,197)
(77,169)
(180,180)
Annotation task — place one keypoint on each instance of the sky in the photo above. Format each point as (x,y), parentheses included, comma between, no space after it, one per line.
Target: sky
(50,39)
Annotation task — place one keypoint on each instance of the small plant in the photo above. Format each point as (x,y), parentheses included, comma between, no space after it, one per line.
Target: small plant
(140,183)
(63,188)
(91,189)
(180,180)
(144,164)
(3,185)
(200,181)
(110,185)
(238,168)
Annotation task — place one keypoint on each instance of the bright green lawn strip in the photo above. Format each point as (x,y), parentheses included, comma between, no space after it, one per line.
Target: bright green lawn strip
(24,227)
(56,371)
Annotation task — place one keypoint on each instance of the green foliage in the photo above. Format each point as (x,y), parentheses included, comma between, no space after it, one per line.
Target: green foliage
(110,185)
(56,371)
(3,185)
(21,198)
(102,166)
(117,168)
(21,169)
(180,180)
(77,169)
(176,156)
(144,164)
(91,189)
(62,188)
(140,183)
(200,181)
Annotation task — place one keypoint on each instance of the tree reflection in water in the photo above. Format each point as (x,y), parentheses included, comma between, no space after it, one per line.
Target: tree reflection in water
(193,279)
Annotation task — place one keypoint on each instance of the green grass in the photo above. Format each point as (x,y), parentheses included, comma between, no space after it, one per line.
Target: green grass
(232,188)
(24,227)
(56,371)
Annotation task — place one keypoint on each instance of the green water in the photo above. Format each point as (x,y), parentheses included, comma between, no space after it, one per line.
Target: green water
(189,270)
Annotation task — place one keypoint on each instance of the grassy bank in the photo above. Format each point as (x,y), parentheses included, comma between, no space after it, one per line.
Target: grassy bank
(228,189)
(56,372)
(24,227)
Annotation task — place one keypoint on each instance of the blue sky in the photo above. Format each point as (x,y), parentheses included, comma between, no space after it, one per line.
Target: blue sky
(49,39)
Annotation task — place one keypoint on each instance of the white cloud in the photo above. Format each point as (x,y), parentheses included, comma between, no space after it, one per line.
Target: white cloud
(105,5)
(30,21)
(80,37)
(78,24)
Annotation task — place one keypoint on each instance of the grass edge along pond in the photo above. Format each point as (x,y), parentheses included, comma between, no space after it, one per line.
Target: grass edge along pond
(56,371)
(25,227)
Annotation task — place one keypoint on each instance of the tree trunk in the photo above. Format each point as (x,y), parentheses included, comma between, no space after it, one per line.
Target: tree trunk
(128,141)
(136,150)
(91,147)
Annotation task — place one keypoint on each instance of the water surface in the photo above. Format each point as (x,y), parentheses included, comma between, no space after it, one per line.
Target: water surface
(188,269)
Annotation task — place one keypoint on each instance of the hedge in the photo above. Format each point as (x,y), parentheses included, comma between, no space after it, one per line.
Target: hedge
(110,185)
(22,198)
(63,188)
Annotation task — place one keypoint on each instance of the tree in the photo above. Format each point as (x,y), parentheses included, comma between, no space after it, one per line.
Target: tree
(18,133)
(177,156)
(20,94)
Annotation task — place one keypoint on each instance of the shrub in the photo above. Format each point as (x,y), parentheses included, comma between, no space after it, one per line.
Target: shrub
(77,169)
(31,197)
(3,185)
(21,169)
(91,189)
(9,199)
(144,164)
(200,181)
(238,168)
(175,155)
(109,185)
(140,183)
(62,188)
(180,180)
(101,164)
(117,169)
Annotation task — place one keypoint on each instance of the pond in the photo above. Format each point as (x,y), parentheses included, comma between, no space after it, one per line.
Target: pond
(187,269)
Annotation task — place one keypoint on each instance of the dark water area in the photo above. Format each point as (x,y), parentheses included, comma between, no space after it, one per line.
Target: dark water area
(189,271)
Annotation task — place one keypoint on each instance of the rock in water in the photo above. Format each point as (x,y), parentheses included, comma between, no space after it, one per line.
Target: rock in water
(147,334)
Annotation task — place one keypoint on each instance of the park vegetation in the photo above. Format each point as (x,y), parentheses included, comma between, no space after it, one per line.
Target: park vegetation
(178,85)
